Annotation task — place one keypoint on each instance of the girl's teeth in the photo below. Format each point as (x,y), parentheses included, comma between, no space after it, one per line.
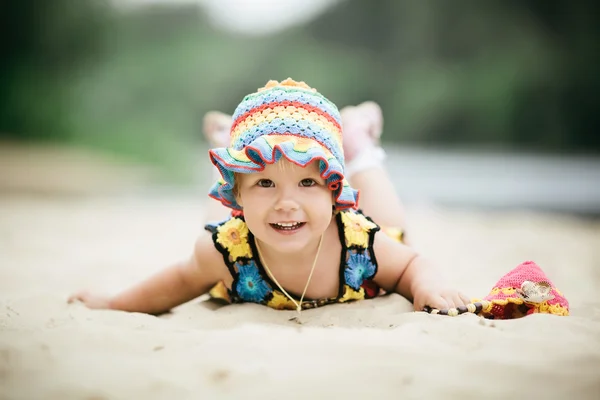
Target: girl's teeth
(287,225)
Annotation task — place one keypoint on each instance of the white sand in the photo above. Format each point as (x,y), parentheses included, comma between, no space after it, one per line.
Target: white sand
(51,246)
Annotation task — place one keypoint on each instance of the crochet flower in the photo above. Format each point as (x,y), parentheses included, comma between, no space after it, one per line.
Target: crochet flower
(233,235)
(220,292)
(280,302)
(359,268)
(250,285)
(351,294)
(357,228)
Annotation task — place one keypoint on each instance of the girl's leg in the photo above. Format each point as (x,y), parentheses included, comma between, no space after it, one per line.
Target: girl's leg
(216,126)
(362,126)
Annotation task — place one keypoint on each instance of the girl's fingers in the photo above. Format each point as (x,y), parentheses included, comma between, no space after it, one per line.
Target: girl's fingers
(440,303)
(466,300)
(457,301)
(76,297)
(445,302)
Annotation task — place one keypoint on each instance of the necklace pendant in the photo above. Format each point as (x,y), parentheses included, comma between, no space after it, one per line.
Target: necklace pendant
(296,319)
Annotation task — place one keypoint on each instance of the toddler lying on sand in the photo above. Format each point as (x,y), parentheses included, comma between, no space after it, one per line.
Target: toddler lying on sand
(292,235)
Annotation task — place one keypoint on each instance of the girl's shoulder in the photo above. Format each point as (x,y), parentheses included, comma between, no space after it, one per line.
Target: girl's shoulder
(208,258)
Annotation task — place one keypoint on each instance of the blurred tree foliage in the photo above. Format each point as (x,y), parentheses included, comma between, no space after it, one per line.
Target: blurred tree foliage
(517,74)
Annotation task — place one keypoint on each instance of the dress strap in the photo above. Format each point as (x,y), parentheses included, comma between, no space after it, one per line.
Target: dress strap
(360,262)
(231,239)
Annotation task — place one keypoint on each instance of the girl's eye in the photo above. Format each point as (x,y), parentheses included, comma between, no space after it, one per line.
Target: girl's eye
(307,182)
(265,183)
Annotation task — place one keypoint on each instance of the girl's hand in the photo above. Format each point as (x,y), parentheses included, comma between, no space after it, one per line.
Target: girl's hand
(91,300)
(439,297)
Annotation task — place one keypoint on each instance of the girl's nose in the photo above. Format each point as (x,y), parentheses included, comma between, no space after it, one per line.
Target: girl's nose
(286,201)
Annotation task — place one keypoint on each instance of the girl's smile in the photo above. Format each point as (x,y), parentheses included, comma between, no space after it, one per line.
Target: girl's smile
(287,228)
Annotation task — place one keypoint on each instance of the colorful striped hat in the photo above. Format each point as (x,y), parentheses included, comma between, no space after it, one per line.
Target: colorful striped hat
(283,119)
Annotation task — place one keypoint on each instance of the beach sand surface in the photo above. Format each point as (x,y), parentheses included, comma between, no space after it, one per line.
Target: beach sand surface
(52,245)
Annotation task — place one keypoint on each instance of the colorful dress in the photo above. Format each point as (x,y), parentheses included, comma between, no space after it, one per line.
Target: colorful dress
(251,283)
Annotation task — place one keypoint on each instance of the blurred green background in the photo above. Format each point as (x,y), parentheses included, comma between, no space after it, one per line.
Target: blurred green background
(516,75)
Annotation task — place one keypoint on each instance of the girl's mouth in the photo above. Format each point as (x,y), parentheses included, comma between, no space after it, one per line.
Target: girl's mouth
(287,226)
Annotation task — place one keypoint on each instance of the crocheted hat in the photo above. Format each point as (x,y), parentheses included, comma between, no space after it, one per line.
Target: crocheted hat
(283,119)
(523,291)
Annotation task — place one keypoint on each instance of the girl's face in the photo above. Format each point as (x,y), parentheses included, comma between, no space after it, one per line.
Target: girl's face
(286,207)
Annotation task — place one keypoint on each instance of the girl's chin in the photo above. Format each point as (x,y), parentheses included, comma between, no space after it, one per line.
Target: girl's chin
(287,243)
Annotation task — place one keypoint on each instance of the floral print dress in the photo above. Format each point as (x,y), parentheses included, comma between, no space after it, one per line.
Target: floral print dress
(251,283)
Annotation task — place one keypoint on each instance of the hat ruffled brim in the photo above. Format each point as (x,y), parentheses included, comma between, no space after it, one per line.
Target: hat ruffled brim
(269,149)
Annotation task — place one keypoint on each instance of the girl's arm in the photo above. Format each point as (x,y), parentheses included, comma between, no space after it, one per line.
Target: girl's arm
(175,285)
(402,270)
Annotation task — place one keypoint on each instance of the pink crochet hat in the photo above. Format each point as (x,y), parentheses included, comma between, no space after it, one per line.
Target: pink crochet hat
(523,291)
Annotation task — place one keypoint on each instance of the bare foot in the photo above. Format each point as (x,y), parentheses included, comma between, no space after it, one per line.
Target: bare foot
(216,126)
(362,126)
